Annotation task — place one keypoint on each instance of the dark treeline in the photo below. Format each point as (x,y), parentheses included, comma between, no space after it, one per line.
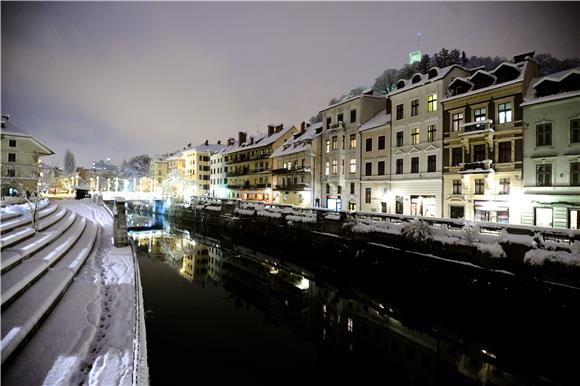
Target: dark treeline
(388,79)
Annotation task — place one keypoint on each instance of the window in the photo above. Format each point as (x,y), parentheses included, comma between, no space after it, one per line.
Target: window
(343,142)
(328,122)
(544,134)
(431,133)
(431,163)
(341,166)
(399,166)
(367,197)
(544,175)
(353,141)
(11,172)
(351,206)
(352,116)
(352,165)
(456,121)
(505,152)
(399,138)
(415,165)
(478,153)
(340,117)
(456,211)
(11,157)
(381,142)
(368,168)
(335,143)
(575,174)
(414,136)
(399,205)
(432,103)
(504,186)
(338,189)
(504,112)
(327,189)
(457,187)
(381,168)
(369,144)
(479,186)
(328,145)
(327,168)
(12,142)
(352,188)
(479,114)
(575,131)
(415,107)
(456,156)
(543,217)
(400,111)
(334,166)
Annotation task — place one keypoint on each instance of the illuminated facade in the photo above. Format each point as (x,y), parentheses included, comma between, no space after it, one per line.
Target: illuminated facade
(417,142)
(158,171)
(218,181)
(483,143)
(552,151)
(249,165)
(197,165)
(20,162)
(340,178)
(296,168)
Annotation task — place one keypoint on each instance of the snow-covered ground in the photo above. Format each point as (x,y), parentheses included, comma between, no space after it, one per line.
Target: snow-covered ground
(99,321)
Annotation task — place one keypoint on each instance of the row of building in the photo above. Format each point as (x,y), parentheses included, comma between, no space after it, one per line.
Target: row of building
(454,142)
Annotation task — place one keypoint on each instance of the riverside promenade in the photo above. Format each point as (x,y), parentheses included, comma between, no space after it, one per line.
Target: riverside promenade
(71,301)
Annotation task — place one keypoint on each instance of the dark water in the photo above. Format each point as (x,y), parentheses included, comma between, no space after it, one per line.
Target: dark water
(218,312)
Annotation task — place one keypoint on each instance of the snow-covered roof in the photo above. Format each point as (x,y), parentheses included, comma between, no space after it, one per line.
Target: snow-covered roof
(352,99)
(531,96)
(9,128)
(210,147)
(441,73)
(382,118)
(520,67)
(260,140)
(300,141)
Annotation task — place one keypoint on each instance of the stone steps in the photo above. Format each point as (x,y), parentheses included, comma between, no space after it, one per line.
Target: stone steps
(20,220)
(36,273)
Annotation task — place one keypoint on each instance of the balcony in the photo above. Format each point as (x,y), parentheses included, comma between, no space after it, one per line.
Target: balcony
(478,167)
(293,187)
(305,169)
(475,128)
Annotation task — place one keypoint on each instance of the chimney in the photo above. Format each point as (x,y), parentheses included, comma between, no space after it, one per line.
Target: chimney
(251,140)
(219,142)
(230,142)
(270,130)
(189,144)
(302,127)
(241,137)
(279,128)
(206,142)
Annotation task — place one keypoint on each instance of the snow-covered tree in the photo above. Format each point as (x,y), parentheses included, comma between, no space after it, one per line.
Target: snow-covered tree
(386,82)
(70,165)
(137,166)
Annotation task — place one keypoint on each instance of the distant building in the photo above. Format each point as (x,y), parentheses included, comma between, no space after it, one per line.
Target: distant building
(218,181)
(158,170)
(340,177)
(197,165)
(249,165)
(20,162)
(483,142)
(417,141)
(296,168)
(551,112)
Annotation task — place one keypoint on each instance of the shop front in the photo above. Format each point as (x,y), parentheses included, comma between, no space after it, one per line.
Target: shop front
(491,211)
(423,206)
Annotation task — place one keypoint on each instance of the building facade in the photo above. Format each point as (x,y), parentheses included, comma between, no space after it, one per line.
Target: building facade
(296,168)
(375,162)
(20,161)
(158,171)
(197,166)
(218,181)
(417,142)
(249,165)
(551,112)
(340,177)
(483,151)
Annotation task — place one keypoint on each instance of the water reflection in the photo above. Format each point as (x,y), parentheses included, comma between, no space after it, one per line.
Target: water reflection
(362,335)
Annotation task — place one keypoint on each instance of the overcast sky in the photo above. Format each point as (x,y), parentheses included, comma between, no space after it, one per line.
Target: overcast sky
(120,79)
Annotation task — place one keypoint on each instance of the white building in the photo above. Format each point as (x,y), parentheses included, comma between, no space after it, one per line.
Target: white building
(552,151)
(417,141)
(218,181)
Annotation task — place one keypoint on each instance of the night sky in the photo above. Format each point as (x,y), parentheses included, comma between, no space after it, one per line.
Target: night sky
(120,79)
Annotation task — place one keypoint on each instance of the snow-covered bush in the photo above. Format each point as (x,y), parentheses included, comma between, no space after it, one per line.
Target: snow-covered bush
(470,232)
(417,230)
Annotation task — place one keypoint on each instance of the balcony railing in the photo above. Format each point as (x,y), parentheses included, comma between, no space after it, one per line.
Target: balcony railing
(476,127)
(305,169)
(476,167)
(294,187)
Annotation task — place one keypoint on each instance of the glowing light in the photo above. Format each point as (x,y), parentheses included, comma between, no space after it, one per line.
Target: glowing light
(304,284)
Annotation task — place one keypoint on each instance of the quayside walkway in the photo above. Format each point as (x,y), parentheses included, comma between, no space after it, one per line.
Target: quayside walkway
(70,300)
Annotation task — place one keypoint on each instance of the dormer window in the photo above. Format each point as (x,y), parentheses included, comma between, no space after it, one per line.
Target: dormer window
(416,78)
(506,72)
(433,73)
(401,84)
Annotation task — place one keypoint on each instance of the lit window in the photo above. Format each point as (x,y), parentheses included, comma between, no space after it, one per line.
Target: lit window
(414,136)
(504,186)
(352,165)
(353,141)
(456,121)
(334,143)
(328,145)
(327,168)
(334,166)
(479,115)
(432,103)
(349,324)
(504,112)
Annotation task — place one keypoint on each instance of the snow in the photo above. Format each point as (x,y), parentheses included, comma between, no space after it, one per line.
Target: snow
(382,118)
(540,256)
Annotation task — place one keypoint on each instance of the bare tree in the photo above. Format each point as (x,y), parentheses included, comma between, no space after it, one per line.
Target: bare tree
(70,165)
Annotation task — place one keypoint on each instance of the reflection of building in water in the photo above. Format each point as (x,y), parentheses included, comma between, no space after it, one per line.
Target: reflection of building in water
(151,242)
(356,330)
(214,266)
(195,262)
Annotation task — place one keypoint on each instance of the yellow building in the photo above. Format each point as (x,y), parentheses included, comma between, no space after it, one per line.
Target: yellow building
(197,165)
(483,143)
(20,160)
(158,171)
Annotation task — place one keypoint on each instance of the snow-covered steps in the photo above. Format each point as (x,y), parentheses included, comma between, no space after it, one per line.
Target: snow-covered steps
(20,220)
(9,216)
(17,279)
(20,233)
(27,311)
(16,254)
